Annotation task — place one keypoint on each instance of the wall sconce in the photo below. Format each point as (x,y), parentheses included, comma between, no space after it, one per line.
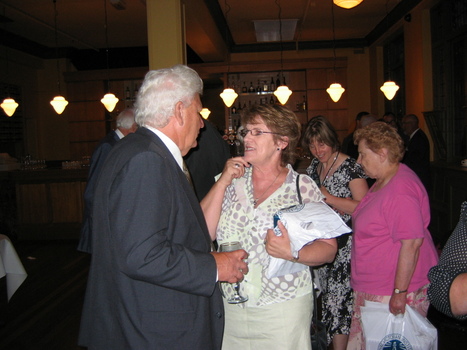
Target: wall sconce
(205,113)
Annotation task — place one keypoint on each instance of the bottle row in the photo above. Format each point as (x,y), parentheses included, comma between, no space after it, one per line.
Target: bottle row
(235,109)
(262,86)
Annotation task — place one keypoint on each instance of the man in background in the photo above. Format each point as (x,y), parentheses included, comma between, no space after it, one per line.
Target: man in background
(417,152)
(208,159)
(153,278)
(348,146)
(126,124)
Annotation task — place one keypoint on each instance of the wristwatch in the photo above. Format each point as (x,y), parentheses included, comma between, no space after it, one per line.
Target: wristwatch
(398,291)
(294,256)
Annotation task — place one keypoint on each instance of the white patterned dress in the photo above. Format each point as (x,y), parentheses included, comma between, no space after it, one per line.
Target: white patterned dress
(334,278)
(240,221)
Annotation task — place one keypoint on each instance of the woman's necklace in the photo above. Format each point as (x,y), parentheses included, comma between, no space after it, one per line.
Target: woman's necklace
(255,200)
(329,170)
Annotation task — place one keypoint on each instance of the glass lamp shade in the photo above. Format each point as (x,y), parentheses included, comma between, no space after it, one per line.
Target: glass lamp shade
(228,96)
(59,103)
(335,90)
(389,89)
(347,4)
(205,113)
(109,101)
(283,93)
(9,106)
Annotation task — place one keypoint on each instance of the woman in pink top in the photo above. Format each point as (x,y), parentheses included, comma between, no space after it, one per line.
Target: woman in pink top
(392,250)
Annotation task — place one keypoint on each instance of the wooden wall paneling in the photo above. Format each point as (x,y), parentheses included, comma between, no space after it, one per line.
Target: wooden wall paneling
(31,201)
(78,150)
(87,131)
(66,202)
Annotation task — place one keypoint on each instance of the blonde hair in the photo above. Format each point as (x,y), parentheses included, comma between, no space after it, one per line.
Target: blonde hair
(379,135)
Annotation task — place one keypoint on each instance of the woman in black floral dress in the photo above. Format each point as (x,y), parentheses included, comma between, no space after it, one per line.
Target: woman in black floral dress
(342,182)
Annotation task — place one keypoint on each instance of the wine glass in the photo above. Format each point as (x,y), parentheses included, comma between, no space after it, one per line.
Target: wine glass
(236,298)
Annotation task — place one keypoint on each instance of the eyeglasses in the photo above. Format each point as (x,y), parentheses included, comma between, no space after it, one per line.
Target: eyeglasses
(255,132)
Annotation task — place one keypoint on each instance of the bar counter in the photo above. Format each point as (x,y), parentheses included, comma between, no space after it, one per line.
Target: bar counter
(43,204)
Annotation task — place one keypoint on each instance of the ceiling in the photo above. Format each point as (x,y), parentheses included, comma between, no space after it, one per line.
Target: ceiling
(29,26)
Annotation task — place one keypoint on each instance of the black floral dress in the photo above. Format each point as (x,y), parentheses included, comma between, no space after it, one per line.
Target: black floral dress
(334,278)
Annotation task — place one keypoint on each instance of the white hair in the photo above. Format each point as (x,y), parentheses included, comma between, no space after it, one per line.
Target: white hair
(126,119)
(161,90)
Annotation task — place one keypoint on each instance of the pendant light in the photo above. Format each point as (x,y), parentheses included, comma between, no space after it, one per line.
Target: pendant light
(9,105)
(389,88)
(347,4)
(335,90)
(109,100)
(282,92)
(205,112)
(228,95)
(59,102)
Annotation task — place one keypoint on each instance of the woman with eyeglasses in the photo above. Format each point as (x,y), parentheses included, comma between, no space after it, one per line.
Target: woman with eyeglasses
(342,182)
(240,207)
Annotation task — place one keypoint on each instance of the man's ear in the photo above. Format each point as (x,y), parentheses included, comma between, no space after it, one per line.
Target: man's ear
(179,113)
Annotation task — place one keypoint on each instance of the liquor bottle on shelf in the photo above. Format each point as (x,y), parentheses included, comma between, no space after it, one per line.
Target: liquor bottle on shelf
(265,86)
(258,87)
(244,88)
(272,85)
(251,88)
(271,100)
(127,93)
(234,109)
(278,81)
(304,103)
(135,92)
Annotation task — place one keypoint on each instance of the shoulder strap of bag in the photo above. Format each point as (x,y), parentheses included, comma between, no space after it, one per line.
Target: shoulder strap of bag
(299,195)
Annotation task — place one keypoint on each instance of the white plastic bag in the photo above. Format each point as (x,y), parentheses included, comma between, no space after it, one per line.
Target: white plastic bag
(383,330)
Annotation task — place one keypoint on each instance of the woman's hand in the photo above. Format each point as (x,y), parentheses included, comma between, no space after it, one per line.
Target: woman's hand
(278,246)
(234,168)
(397,303)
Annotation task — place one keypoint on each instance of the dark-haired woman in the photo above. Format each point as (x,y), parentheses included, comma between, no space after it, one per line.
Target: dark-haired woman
(342,182)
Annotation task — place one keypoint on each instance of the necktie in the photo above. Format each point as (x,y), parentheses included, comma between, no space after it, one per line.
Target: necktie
(187,174)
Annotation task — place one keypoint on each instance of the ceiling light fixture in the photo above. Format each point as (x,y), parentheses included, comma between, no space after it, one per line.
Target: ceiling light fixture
(59,102)
(389,88)
(228,95)
(282,92)
(109,100)
(205,112)
(335,90)
(347,4)
(9,105)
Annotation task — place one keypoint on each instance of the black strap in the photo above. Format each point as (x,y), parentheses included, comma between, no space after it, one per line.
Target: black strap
(299,195)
